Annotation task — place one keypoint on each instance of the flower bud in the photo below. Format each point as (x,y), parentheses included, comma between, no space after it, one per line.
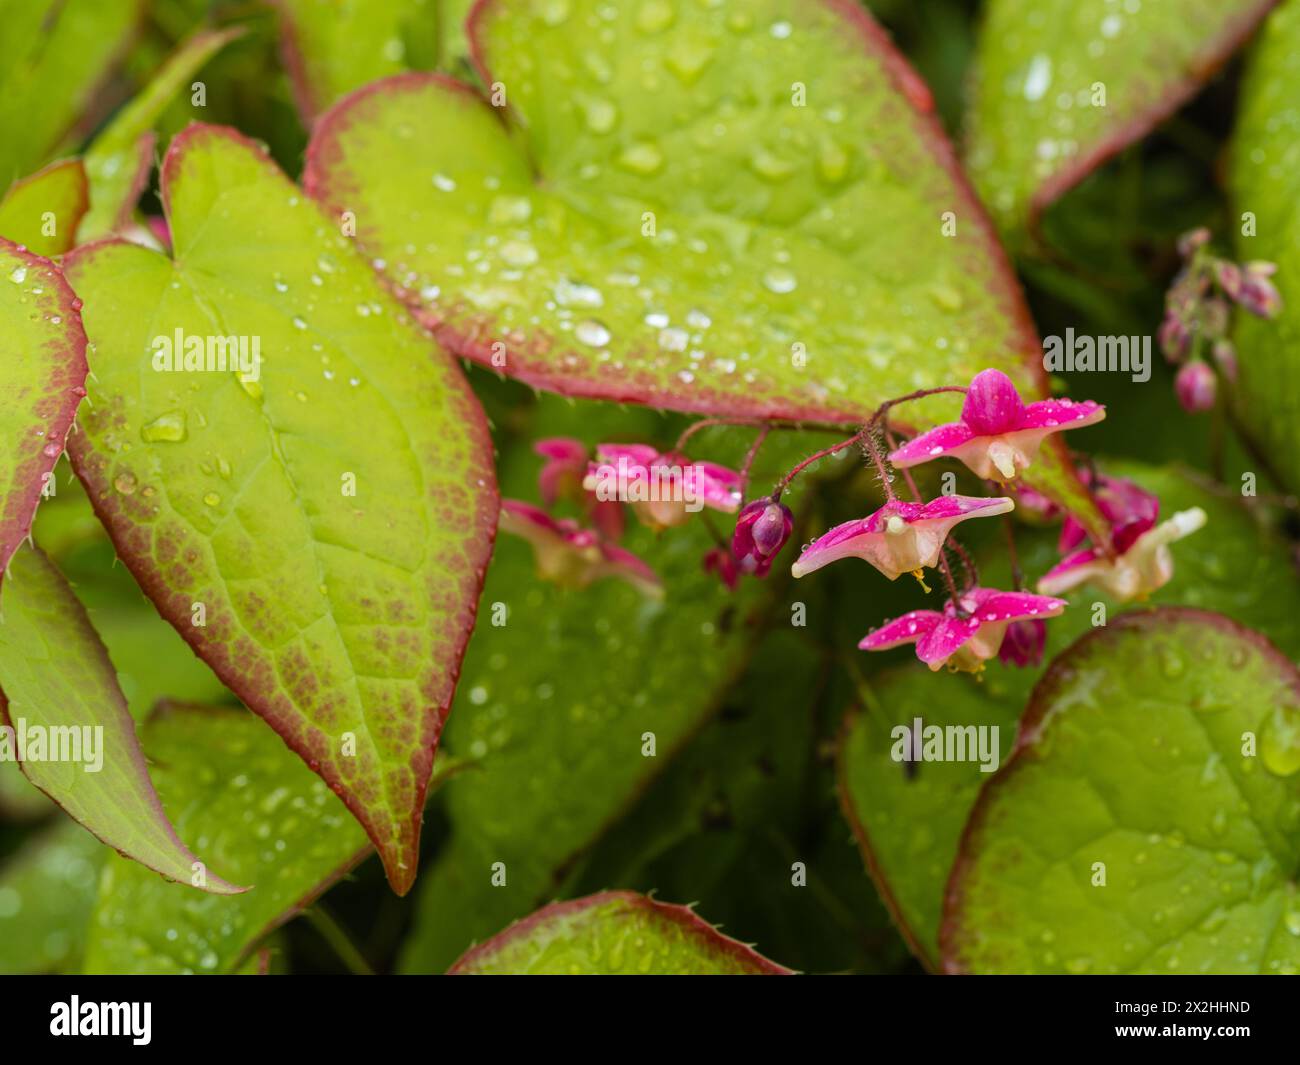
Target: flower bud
(761,531)
(1196,387)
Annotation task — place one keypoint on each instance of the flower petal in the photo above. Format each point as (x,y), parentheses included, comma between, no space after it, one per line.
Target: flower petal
(936,443)
(944,640)
(909,628)
(1060,414)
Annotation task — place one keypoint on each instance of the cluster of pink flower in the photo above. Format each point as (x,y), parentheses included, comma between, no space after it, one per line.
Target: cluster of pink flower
(998,436)
(1198,316)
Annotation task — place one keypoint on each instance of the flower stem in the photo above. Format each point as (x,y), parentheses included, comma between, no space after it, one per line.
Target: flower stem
(752,454)
(709,423)
(784,482)
(872,447)
(952,585)
(967,563)
(338,939)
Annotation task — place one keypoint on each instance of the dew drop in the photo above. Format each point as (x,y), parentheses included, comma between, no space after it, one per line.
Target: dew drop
(592,333)
(167,428)
(1279,742)
(780,280)
(643,158)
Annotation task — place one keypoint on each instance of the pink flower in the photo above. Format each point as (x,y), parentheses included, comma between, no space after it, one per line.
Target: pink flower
(899,537)
(1196,387)
(663,489)
(1023,644)
(561,477)
(998,435)
(573,556)
(1128,509)
(963,643)
(761,531)
(720,561)
(1142,566)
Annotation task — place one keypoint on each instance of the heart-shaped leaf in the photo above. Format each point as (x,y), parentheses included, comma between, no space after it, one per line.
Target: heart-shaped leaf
(330,47)
(53,55)
(316,520)
(685,208)
(1265,180)
(253,807)
(42,379)
(1060,86)
(610,934)
(908,824)
(68,726)
(42,212)
(119,160)
(1147,819)
(47,890)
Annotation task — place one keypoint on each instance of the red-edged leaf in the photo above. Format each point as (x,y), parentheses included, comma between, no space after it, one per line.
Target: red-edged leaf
(611,933)
(42,379)
(1060,86)
(333,517)
(1145,821)
(58,683)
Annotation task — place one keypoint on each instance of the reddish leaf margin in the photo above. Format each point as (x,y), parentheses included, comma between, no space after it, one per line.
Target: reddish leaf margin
(44,442)
(691,923)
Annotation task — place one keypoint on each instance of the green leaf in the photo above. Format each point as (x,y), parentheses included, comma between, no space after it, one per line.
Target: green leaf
(1162,754)
(1060,86)
(232,786)
(54,198)
(330,47)
(907,824)
(908,827)
(119,160)
(47,890)
(42,379)
(615,933)
(770,287)
(53,56)
(332,517)
(1264,181)
(59,686)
